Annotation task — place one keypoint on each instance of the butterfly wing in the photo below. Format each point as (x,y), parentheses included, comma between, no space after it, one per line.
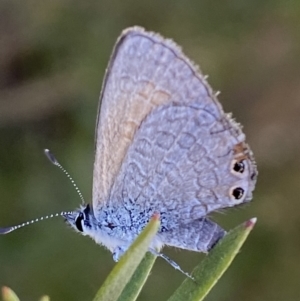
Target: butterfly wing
(162,136)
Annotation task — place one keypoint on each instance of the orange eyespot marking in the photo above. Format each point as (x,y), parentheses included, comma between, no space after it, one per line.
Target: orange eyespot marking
(241,152)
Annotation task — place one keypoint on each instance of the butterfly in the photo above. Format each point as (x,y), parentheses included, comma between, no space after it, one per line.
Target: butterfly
(163,144)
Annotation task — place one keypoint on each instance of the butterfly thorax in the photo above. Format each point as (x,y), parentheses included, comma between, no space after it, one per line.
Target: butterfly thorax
(115,226)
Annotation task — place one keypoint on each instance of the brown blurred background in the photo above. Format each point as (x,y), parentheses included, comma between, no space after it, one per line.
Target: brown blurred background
(53,55)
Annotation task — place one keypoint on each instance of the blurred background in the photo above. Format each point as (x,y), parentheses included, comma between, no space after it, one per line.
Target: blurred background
(53,55)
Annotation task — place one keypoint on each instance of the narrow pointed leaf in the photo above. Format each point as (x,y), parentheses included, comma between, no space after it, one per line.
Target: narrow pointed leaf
(133,288)
(125,268)
(209,271)
(8,294)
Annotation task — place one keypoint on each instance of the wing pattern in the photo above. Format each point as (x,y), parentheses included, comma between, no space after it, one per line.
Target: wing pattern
(162,136)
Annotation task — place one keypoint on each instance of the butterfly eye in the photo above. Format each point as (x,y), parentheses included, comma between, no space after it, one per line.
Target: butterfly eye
(237,193)
(78,221)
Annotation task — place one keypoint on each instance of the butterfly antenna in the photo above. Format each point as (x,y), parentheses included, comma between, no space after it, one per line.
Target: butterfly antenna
(54,161)
(13,228)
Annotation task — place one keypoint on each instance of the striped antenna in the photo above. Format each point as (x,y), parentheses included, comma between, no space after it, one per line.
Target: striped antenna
(54,161)
(13,228)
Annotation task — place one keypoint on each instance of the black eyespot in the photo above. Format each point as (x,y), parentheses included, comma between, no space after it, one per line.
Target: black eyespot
(78,220)
(239,166)
(238,193)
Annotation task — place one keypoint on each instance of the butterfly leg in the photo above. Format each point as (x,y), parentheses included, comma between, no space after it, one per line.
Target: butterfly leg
(118,253)
(172,263)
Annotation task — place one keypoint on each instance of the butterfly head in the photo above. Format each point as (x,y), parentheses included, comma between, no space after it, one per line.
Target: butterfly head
(82,220)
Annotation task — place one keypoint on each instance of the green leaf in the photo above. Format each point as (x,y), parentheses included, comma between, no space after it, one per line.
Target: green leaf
(133,288)
(209,271)
(8,294)
(45,298)
(125,268)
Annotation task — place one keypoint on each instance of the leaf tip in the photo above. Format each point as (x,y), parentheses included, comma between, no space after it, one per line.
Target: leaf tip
(156,216)
(250,223)
(8,294)
(5,290)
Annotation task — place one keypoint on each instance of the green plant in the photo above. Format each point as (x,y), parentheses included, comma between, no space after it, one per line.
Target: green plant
(129,275)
